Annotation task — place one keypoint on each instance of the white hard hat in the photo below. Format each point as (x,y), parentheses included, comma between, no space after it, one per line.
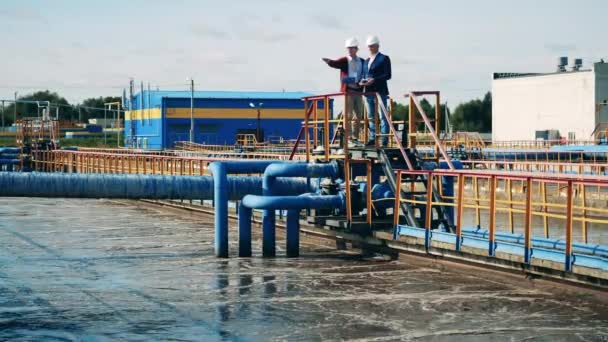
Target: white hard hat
(372,40)
(351,42)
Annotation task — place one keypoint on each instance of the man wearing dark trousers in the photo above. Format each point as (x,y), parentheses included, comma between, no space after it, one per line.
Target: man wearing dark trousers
(377,73)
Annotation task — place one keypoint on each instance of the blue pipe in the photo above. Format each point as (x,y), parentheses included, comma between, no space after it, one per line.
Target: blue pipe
(9,161)
(287,170)
(293,233)
(244,231)
(220,171)
(75,185)
(292,203)
(10,150)
(9,156)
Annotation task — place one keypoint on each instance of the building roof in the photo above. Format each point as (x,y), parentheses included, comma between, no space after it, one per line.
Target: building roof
(510,75)
(154,98)
(263,95)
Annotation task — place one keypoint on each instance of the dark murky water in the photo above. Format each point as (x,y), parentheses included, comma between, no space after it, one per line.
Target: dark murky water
(96,271)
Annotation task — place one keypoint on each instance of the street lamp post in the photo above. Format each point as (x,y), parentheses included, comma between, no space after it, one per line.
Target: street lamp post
(105,119)
(191,109)
(259,110)
(15,110)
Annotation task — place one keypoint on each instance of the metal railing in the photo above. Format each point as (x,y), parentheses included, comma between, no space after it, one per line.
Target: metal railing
(561,199)
(122,151)
(581,168)
(113,163)
(317,126)
(543,155)
(468,140)
(539,143)
(267,151)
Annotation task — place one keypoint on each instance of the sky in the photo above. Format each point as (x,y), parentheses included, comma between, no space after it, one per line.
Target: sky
(92,48)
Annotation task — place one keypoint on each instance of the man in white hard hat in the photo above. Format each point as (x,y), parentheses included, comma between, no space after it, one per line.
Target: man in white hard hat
(377,73)
(351,72)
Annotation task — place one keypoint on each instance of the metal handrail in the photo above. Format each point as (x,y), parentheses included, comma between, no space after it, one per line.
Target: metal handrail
(446,157)
(571,183)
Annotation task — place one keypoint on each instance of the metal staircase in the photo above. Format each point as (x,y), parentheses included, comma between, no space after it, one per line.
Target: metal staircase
(391,160)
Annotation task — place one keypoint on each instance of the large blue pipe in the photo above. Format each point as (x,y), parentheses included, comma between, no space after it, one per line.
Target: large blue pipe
(220,171)
(135,186)
(287,170)
(10,150)
(244,231)
(291,203)
(293,233)
(9,161)
(294,202)
(9,156)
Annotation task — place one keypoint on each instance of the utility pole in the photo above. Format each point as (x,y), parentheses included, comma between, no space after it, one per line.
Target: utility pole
(15,110)
(258,131)
(79,114)
(2,113)
(105,120)
(132,129)
(149,105)
(191,110)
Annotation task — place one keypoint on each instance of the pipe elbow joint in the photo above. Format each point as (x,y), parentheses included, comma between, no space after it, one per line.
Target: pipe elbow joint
(217,169)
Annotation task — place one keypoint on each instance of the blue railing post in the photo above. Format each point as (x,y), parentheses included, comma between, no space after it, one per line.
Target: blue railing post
(492,230)
(460,212)
(569,213)
(528,222)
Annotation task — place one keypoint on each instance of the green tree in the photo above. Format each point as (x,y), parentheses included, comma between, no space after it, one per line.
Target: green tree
(66,112)
(89,108)
(93,107)
(474,115)
(401,112)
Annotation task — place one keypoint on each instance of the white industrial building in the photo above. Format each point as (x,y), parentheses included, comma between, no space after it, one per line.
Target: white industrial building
(573,103)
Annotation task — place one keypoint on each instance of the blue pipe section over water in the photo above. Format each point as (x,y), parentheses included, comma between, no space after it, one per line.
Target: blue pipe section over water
(220,171)
(293,205)
(135,186)
(276,170)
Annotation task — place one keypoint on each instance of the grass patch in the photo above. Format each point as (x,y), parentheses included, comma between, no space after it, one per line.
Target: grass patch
(7,141)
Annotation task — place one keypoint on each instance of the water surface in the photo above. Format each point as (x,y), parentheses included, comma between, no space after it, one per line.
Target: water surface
(98,271)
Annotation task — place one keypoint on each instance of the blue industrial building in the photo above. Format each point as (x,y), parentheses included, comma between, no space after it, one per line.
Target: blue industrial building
(158,119)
